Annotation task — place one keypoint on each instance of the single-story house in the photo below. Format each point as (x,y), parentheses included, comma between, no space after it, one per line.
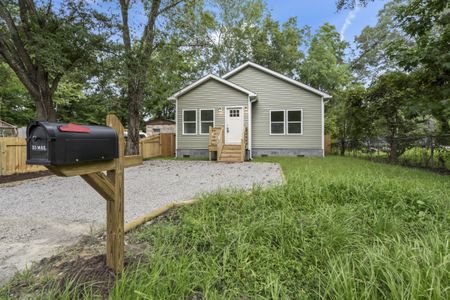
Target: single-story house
(251,110)
(158,126)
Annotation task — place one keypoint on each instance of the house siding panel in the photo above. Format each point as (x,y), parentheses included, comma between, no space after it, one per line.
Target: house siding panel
(274,93)
(210,95)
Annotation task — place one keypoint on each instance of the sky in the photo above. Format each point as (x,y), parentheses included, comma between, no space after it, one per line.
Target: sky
(314,13)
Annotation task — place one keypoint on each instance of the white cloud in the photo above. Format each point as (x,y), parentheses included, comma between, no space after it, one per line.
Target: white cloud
(348,21)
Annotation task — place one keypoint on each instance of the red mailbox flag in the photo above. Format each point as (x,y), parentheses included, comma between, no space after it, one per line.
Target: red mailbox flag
(74,128)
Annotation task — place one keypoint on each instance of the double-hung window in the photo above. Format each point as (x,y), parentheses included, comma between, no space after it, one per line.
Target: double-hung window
(206,120)
(190,121)
(277,122)
(294,121)
(288,121)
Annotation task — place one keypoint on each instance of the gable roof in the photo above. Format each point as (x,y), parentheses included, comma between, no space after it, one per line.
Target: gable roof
(275,74)
(211,77)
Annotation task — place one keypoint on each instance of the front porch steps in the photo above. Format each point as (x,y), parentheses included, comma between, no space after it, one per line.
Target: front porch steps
(230,153)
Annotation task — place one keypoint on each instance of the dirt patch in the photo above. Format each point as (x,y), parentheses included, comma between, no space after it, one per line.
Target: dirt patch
(74,271)
(23,176)
(24,240)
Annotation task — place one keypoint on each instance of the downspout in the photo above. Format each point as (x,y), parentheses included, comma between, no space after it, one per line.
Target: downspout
(176,127)
(250,102)
(323,128)
(249,120)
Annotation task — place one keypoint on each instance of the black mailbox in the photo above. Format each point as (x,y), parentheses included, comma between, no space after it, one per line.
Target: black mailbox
(65,144)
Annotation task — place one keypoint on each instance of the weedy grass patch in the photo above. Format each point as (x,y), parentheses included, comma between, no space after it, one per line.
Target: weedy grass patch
(340,228)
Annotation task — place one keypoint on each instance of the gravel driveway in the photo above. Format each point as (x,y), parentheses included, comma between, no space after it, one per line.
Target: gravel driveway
(40,215)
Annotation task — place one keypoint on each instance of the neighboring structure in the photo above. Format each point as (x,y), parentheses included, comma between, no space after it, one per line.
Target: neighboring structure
(158,126)
(7,130)
(251,109)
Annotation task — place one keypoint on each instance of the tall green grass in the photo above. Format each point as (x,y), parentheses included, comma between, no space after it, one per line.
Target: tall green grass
(340,228)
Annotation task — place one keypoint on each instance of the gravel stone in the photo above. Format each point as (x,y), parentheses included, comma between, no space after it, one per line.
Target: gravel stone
(39,216)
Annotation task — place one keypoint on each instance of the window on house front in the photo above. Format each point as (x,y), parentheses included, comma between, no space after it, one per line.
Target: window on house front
(294,121)
(206,120)
(190,121)
(277,122)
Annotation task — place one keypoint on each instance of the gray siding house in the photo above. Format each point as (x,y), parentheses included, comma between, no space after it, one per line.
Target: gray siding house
(279,116)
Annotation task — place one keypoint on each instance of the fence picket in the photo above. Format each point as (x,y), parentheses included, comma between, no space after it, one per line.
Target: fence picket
(158,145)
(13,155)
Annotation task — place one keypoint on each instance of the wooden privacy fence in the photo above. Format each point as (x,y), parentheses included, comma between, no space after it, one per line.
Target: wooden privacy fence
(162,144)
(13,156)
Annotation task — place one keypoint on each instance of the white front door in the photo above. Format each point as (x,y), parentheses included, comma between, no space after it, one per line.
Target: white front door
(234,124)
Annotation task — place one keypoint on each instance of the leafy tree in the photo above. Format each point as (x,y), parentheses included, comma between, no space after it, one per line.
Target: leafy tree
(43,42)
(390,97)
(324,67)
(374,43)
(15,105)
(351,120)
(278,48)
(244,31)
(350,4)
(173,68)
(428,23)
(235,24)
(138,53)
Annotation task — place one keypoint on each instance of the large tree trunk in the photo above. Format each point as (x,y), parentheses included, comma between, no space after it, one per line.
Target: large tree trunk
(28,69)
(45,110)
(343,146)
(137,67)
(393,147)
(135,99)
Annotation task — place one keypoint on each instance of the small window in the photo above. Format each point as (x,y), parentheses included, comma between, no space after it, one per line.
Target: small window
(206,120)
(189,122)
(294,121)
(156,130)
(277,122)
(235,113)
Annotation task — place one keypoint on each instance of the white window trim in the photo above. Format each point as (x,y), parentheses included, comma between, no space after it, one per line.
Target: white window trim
(201,121)
(287,121)
(270,121)
(182,121)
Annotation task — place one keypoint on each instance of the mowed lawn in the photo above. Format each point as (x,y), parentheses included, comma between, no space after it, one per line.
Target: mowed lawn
(340,228)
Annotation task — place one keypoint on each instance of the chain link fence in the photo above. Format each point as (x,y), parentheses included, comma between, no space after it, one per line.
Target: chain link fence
(429,152)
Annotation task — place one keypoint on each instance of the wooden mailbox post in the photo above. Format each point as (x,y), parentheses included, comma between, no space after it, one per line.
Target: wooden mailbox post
(111,187)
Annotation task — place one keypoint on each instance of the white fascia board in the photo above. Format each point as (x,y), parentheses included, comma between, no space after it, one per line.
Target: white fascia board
(278,75)
(206,78)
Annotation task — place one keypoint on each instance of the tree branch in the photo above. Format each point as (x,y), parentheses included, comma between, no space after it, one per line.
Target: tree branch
(169,7)
(124,7)
(15,37)
(17,67)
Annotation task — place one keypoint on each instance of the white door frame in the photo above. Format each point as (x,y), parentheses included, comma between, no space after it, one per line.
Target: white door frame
(241,108)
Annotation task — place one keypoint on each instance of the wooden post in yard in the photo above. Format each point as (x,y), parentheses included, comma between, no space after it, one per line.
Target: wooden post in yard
(114,209)
(110,187)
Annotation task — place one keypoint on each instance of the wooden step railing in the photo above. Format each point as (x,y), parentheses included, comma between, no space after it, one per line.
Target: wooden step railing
(216,142)
(244,140)
(220,142)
